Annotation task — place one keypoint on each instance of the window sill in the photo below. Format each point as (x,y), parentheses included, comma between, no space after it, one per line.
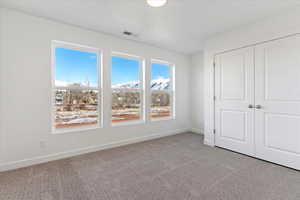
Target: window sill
(74,129)
(162,119)
(128,123)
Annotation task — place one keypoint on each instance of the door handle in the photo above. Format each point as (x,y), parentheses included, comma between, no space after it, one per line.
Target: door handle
(250,106)
(258,107)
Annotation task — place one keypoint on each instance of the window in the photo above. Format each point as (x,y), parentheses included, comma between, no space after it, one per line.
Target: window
(162,90)
(76,86)
(127,88)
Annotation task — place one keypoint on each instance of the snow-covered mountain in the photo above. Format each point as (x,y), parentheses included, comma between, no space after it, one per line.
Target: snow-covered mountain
(59,83)
(158,84)
(128,85)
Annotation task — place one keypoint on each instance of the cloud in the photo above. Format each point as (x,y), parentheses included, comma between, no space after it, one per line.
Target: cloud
(93,57)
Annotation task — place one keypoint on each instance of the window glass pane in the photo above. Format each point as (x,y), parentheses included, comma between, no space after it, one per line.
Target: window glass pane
(160,98)
(160,104)
(75,105)
(125,73)
(126,105)
(160,77)
(75,108)
(75,68)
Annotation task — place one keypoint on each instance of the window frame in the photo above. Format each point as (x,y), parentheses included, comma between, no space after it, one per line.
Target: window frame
(72,46)
(141,89)
(171,91)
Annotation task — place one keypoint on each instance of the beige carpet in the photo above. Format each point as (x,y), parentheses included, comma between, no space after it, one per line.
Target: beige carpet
(173,168)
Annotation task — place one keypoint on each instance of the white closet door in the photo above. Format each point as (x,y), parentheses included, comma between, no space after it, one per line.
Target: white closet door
(277,122)
(234,91)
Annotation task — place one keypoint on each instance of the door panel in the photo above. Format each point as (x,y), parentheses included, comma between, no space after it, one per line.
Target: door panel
(277,86)
(234,91)
(275,133)
(281,70)
(233,65)
(237,133)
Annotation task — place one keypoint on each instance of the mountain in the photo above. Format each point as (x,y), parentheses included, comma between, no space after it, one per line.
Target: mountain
(128,85)
(71,84)
(158,84)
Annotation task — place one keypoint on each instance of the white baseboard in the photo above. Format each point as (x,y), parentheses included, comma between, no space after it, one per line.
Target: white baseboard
(196,130)
(62,155)
(208,143)
(209,140)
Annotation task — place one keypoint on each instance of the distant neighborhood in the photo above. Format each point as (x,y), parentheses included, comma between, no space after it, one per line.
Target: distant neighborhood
(77,104)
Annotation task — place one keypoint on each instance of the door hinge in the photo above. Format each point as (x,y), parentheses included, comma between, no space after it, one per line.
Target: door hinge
(214,131)
(215,98)
(214,64)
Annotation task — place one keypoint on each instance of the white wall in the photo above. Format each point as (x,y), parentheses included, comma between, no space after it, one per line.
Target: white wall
(197,96)
(268,29)
(26,91)
(1,87)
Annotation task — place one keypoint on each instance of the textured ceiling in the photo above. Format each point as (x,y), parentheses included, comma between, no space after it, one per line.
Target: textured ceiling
(181,25)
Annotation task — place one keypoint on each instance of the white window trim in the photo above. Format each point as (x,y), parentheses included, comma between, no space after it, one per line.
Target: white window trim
(127,123)
(61,44)
(141,90)
(171,90)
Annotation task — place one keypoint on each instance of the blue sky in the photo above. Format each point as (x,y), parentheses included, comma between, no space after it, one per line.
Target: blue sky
(77,66)
(124,70)
(160,71)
